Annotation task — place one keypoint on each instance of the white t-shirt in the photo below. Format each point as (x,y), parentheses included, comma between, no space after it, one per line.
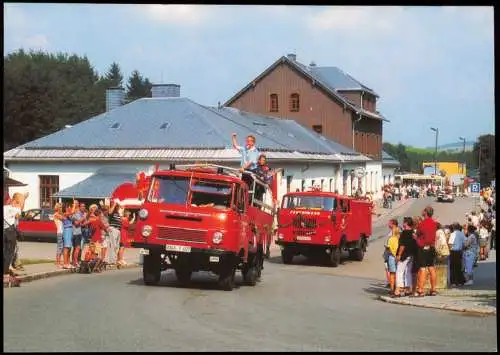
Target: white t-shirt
(474,220)
(9,215)
(483,233)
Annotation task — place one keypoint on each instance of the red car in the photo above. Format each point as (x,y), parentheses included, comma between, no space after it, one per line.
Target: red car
(38,223)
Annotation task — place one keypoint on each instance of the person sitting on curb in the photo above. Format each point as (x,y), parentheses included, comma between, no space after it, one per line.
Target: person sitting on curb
(249,153)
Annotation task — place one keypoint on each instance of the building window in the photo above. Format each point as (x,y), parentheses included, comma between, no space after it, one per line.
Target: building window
(318,128)
(294,102)
(332,186)
(273,104)
(303,187)
(49,185)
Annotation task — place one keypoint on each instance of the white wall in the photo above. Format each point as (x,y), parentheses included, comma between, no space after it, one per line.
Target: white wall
(374,178)
(388,174)
(69,174)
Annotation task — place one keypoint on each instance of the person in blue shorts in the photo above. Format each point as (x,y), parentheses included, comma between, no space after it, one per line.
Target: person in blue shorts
(67,236)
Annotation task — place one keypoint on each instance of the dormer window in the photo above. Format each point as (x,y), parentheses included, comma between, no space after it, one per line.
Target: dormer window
(273,103)
(294,102)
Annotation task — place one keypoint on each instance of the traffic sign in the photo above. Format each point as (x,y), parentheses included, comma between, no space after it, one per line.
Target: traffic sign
(475,187)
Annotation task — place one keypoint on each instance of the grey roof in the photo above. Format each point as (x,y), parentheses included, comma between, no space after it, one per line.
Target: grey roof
(186,125)
(98,186)
(336,79)
(388,159)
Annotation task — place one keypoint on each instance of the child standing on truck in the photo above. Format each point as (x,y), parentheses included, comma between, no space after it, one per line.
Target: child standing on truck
(263,170)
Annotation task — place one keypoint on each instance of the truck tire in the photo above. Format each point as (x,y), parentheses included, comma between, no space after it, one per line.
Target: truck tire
(151,270)
(183,275)
(250,275)
(358,254)
(286,256)
(335,256)
(226,279)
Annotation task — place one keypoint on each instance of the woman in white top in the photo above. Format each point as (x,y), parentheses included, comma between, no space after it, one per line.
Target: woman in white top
(484,236)
(471,245)
(58,217)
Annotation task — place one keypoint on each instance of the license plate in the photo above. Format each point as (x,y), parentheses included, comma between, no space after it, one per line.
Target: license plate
(179,248)
(214,259)
(303,237)
(144,251)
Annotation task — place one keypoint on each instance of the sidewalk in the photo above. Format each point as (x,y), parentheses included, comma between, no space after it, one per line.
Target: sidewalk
(480,298)
(34,272)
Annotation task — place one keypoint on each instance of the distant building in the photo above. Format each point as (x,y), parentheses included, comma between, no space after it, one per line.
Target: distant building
(88,160)
(389,168)
(446,168)
(325,99)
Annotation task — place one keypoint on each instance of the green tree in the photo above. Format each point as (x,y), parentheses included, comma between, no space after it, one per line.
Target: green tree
(138,86)
(44,92)
(114,76)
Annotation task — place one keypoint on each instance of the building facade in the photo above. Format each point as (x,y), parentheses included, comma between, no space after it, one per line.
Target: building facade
(109,149)
(324,99)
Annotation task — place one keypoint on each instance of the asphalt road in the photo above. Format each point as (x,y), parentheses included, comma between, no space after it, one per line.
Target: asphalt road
(303,307)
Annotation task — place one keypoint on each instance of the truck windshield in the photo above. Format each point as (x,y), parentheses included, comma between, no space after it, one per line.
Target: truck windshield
(310,202)
(211,194)
(169,189)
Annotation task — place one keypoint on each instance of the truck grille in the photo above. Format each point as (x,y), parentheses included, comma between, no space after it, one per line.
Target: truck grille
(302,223)
(182,234)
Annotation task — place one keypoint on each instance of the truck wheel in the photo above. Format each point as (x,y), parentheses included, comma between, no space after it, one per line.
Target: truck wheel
(151,271)
(250,276)
(183,275)
(226,279)
(286,256)
(335,256)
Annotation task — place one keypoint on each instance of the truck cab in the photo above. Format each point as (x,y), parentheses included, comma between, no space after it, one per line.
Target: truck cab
(204,218)
(316,223)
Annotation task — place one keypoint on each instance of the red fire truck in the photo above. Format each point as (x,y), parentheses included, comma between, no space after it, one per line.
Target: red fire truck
(314,222)
(204,218)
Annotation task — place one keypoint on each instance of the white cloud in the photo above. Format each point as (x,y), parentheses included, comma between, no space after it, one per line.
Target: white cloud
(185,15)
(358,20)
(38,41)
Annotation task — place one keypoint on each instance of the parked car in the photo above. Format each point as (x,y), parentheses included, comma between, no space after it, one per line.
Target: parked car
(38,224)
(445,196)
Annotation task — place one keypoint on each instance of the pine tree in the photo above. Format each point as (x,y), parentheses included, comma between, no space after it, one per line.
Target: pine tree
(114,76)
(138,87)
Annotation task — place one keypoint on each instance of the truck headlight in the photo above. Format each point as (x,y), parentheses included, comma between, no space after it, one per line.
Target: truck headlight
(143,213)
(281,236)
(146,231)
(217,237)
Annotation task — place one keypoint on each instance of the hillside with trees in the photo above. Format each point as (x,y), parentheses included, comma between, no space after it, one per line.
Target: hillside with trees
(44,92)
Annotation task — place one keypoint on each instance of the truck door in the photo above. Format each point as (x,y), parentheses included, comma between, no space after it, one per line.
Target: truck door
(241,220)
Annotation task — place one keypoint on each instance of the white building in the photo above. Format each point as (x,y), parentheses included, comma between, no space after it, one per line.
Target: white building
(89,159)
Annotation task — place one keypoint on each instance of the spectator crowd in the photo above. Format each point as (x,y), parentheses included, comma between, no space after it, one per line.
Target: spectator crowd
(413,250)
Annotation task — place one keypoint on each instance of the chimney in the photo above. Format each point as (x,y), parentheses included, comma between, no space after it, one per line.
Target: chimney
(292,56)
(312,65)
(115,97)
(165,90)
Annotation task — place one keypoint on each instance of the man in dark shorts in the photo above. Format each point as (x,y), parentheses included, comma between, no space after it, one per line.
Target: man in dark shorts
(426,252)
(78,218)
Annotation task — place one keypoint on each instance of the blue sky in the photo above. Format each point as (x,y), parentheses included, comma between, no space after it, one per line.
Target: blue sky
(431,66)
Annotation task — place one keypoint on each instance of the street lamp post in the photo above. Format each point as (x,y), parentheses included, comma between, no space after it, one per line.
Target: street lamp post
(463,153)
(436,151)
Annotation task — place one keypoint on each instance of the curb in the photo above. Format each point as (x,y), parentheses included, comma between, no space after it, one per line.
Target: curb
(47,274)
(443,307)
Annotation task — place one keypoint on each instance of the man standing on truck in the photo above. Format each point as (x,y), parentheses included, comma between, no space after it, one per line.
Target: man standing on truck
(249,153)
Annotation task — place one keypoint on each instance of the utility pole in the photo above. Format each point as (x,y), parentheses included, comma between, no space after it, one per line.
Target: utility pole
(436,150)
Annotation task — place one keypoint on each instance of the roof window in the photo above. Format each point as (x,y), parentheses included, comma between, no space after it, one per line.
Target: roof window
(115,125)
(165,125)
